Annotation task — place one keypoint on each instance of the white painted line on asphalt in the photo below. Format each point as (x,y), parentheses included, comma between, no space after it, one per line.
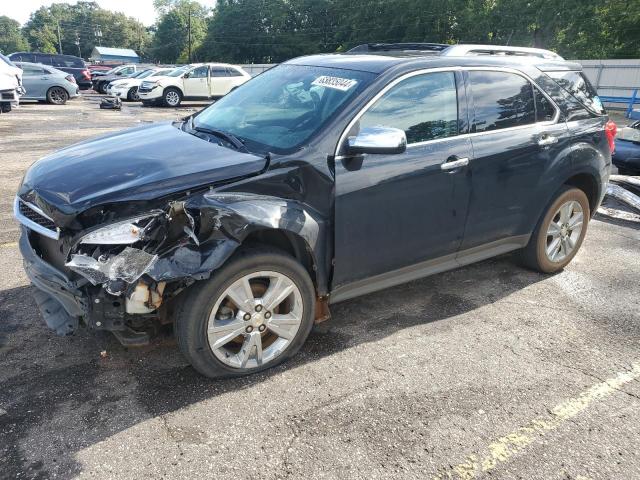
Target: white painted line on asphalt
(501,450)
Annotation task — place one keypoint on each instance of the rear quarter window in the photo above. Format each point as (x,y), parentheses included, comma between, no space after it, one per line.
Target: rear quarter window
(578,85)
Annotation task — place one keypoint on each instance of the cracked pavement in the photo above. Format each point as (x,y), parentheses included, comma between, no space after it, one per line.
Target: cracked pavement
(460,375)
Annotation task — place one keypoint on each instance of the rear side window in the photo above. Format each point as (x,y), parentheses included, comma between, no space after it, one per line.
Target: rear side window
(578,85)
(232,72)
(545,110)
(501,100)
(22,57)
(424,106)
(67,61)
(42,58)
(219,72)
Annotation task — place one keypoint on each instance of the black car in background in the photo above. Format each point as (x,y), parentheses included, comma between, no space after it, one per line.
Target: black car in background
(67,63)
(324,178)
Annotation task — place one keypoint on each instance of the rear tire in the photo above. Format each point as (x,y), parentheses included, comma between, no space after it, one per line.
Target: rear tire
(559,233)
(222,337)
(5,107)
(171,97)
(57,96)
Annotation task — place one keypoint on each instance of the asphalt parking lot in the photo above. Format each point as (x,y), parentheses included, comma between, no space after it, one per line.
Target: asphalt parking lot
(490,371)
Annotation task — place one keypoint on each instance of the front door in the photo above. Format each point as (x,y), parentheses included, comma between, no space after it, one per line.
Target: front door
(196,84)
(394,212)
(516,138)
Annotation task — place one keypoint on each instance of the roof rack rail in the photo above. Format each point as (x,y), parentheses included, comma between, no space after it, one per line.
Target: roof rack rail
(465,50)
(399,47)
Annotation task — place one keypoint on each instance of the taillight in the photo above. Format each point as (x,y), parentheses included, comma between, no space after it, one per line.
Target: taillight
(611,129)
(87,74)
(70,78)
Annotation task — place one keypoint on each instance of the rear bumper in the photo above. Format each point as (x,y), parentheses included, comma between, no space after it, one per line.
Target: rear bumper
(60,300)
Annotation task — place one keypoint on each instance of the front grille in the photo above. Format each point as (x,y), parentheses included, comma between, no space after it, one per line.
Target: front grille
(32,217)
(8,96)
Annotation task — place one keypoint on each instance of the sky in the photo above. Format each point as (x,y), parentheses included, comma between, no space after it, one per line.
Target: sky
(140,9)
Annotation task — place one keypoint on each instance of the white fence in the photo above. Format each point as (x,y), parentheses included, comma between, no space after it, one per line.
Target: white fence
(613,78)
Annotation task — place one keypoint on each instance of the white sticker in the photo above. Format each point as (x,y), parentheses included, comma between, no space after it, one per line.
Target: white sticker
(342,84)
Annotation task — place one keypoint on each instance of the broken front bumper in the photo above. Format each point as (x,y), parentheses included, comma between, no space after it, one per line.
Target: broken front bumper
(60,300)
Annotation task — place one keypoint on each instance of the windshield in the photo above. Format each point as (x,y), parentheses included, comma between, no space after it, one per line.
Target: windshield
(282,108)
(179,71)
(145,74)
(162,73)
(7,61)
(114,70)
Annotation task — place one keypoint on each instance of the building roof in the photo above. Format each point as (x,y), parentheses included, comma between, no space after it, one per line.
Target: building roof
(117,52)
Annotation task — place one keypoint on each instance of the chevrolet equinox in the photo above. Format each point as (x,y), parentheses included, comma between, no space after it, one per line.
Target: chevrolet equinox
(324,178)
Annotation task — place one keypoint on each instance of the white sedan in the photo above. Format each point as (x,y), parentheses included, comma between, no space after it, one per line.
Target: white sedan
(127,88)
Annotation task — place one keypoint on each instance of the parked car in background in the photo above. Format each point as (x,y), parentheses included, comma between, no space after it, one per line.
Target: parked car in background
(10,84)
(626,156)
(100,69)
(100,82)
(42,82)
(192,82)
(127,88)
(325,178)
(67,63)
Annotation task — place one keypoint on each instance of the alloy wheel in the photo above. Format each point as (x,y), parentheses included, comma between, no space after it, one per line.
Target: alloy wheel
(255,319)
(564,231)
(172,98)
(134,94)
(58,95)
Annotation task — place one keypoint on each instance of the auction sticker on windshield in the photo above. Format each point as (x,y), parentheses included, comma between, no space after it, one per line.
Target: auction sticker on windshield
(342,84)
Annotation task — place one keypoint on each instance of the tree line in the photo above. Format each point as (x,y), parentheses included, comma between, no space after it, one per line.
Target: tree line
(269,31)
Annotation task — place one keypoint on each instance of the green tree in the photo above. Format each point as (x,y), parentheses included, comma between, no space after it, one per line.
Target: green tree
(179,32)
(83,26)
(11,39)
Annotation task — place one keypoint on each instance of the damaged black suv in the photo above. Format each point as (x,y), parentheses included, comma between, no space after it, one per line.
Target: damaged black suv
(324,178)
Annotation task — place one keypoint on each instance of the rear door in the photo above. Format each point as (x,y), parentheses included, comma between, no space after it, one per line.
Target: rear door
(221,81)
(197,83)
(516,138)
(35,81)
(393,212)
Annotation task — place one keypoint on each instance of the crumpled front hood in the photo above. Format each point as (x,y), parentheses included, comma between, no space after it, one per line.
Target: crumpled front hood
(143,163)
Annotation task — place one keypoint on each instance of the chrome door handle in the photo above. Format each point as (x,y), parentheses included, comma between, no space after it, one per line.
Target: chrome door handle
(545,140)
(452,165)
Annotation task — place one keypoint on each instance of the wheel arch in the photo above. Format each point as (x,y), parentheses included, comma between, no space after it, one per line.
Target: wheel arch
(588,183)
(172,87)
(287,241)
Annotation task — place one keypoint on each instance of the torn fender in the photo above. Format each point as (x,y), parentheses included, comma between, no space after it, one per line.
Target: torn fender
(232,217)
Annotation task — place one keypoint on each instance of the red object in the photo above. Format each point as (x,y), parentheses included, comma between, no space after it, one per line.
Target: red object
(87,74)
(611,129)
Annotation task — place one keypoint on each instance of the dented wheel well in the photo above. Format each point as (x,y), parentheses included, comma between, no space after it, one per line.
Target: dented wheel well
(287,242)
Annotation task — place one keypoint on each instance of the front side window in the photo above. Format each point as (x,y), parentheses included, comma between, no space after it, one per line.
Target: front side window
(200,72)
(281,109)
(424,106)
(501,100)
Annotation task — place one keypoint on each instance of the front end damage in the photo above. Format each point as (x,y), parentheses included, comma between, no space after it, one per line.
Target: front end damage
(124,276)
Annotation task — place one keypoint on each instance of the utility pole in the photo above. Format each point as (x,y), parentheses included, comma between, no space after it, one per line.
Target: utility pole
(59,39)
(189,30)
(78,43)
(98,34)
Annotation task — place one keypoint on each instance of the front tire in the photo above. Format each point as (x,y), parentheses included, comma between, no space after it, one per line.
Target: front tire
(252,314)
(172,97)
(132,95)
(559,233)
